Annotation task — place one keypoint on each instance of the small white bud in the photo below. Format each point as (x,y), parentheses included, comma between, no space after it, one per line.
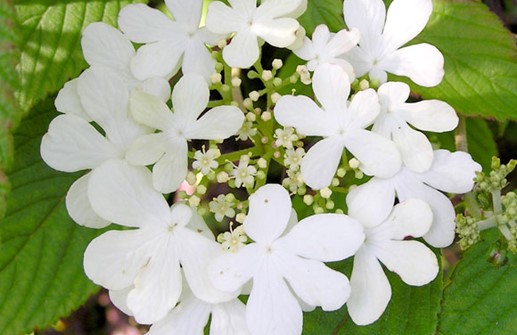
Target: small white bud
(254,95)
(222,177)
(221,44)
(266,116)
(275,97)
(216,78)
(267,75)
(325,193)
(277,63)
(308,199)
(262,163)
(248,103)
(236,81)
(353,163)
(240,217)
(193,201)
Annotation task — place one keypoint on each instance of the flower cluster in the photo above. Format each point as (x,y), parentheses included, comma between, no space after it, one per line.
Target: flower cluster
(150,135)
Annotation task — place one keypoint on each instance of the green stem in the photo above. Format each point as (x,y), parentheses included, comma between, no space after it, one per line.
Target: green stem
(460,138)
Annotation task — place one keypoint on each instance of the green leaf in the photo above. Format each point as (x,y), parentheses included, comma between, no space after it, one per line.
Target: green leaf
(480,59)
(480,298)
(412,310)
(8,82)
(329,12)
(41,250)
(51,51)
(481,142)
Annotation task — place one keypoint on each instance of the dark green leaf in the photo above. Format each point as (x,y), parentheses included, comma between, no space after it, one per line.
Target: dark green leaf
(329,12)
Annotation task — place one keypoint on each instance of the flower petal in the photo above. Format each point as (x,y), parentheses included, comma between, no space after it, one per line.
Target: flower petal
(331,86)
(186,12)
(222,19)
(412,217)
(68,101)
(452,172)
(371,290)
(378,155)
(368,16)
(324,237)
(415,263)
(198,59)
(123,194)
(303,114)
(158,59)
(278,32)
(363,109)
(159,87)
(72,144)
(422,63)
(315,283)
(343,41)
(219,123)
(104,45)
(229,318)
(150,111)
(430,115)
(315,174)
(393,94)
(79,207)
(278,8)
(147,149)
(371,202)
(404,21)
(185,107)
(269,212)
(271,308)
(143,24)
(115,258)
(243,51)
(172,168)
(415,149)
(119,299)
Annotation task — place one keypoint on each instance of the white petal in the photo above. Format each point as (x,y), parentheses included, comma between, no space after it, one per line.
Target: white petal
(269,212)
(229,318)
(150,110)
(198,225)
(222,19)
(195,265)
(372,202)
(430,115)
(114,259)
(72,144)
(158,59)
(170,171)
(186,12)
(277,8)
(404,21)
(422,63)
(343,41)
(331,87)
(371,290)
(243,51)
(147,149)
(123,194)
(303,114)
(271,308)
(157,287)
(360,59)
(189,318)
(415,149)
(378,155)
(104,45)
(159,87)
(412,217)
(452,172)
(68,101)
(315,283)
(415,263)
(324,237)
(363,109)
(393,94)
(79,207)
(314,173)
(307,50)
(368,16)
(119,299)
(185,107)
(278,32)
(198,59)
(143,24)
(217,124)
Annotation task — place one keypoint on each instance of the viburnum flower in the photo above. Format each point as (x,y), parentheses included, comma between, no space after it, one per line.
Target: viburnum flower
(385,242)
(105,47)
(341,124)
(450,172)
(169,43)
(286,266)
(206,161)
(383,35)
(168,148)
(327,47)
(244,174)
(146,261)
(396,115)
(272,21)
(73,144)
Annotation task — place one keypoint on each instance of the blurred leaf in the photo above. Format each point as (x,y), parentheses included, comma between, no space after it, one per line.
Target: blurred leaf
(41,250)
(480,298)
(480,60)
(329,12)
(481,142)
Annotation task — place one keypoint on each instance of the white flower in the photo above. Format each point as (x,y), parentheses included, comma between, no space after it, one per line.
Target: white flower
(246,131)
(168,148)
(450,172)
(222,206)
(273,21)
(205,161)
(73,144)
(191,315)
(411,260)
(327,47)
(107,48)
(342,126)
(396,115)
(287,266)
(233,240)
(383,35)
(147,260)
(285,137)
(244,173)
(169,44)
(293,158)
